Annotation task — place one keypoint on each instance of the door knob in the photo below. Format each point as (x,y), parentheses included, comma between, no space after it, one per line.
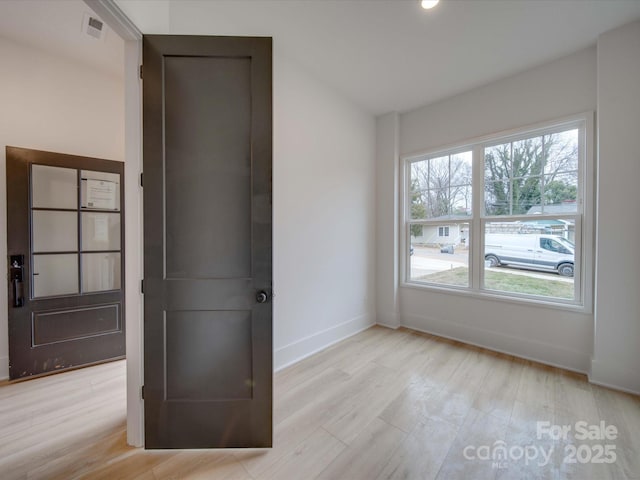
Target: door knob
(262,297)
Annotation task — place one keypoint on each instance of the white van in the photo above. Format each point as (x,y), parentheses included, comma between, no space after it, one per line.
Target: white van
(534,251)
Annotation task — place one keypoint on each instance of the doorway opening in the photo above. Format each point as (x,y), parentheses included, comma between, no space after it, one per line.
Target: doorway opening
(64,91)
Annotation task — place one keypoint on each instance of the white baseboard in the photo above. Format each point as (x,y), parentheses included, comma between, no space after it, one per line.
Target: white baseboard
(498,342)
(386,325)
(4,368)
(300,349)
(614,376)
(389,320)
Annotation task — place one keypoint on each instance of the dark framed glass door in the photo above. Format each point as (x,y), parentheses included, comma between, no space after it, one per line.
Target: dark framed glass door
(66,261)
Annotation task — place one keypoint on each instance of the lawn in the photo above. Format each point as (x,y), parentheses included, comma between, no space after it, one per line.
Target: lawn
(505,282)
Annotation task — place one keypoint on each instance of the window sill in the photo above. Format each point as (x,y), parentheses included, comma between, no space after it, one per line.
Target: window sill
(497,297)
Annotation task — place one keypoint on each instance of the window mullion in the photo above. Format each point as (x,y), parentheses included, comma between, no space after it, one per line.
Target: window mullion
(477,194)
(511,178)
(404,264)
(449,211)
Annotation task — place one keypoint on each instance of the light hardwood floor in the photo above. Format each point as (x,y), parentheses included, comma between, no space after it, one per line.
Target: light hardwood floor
(380,405)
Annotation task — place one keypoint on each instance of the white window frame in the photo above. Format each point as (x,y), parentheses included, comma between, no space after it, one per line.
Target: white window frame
(584,217)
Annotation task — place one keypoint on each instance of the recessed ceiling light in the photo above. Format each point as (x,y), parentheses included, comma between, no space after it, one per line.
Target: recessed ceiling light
(428,4)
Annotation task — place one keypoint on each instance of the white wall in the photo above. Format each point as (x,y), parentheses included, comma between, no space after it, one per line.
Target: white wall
(558,89)
(323,190)
(324,214)
(616,360)
(550,91)
(51,103)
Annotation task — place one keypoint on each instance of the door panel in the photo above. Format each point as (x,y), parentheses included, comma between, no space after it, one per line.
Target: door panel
(62,321)
(208,163)
(60,326)
(207,210)
(198,344)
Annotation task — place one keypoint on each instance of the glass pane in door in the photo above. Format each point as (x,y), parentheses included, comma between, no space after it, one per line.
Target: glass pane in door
(55,274)
(100,271)
(54,231)
(100,190)
(100,231)
(54,187)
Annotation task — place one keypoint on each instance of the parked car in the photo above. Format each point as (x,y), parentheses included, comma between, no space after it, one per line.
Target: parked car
(447,249)
(533,251)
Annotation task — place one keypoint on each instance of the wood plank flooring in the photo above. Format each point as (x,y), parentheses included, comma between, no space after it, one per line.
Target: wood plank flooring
(383,404)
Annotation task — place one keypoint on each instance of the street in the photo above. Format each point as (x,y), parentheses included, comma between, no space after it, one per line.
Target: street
(428,260)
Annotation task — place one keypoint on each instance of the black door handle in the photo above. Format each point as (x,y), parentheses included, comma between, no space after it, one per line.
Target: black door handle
(262,297)
(16,263)
(18,293)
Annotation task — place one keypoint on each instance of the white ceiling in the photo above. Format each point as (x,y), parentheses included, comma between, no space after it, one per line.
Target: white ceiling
(56,26)
(391,54)
(384,55)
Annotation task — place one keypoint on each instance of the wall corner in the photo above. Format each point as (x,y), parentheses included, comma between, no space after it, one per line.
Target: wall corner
(387,214)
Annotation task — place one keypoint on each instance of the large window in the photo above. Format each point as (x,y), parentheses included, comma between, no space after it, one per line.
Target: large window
(504,215)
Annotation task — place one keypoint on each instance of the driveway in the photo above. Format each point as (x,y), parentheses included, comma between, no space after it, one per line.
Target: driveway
(426,260)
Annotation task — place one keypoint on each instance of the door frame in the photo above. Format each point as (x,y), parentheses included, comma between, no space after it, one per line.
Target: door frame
(115,18)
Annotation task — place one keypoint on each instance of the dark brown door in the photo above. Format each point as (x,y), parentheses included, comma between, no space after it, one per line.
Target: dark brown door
(207,242)
(65,242)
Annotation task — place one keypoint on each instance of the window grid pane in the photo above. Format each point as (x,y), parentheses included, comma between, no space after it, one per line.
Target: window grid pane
(516,174)
(440,187)
(439,254)
(534,258)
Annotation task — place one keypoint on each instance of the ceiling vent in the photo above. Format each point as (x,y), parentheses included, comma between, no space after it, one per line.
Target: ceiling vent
(93,26)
